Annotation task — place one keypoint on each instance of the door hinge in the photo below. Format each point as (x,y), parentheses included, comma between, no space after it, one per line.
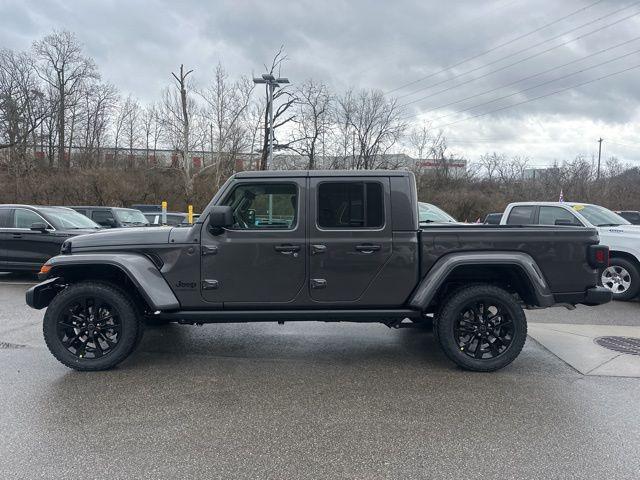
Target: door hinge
(318,283)
(206,250)
(210,284)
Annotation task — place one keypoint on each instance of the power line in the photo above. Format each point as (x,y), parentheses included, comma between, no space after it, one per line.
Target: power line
(537,86)
(539,97)
(522,50)
(520,37)
(484,14)
(520,79)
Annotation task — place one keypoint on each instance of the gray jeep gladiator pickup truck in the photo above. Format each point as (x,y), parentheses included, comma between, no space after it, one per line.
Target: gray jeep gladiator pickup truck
(319,246)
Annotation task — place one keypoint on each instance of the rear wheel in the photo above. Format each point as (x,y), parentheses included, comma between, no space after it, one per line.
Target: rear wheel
(622,278)
(481,328)
(91,326)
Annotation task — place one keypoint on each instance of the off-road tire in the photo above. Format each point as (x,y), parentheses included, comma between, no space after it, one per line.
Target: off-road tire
(454,306)
(634,274)
(129,317)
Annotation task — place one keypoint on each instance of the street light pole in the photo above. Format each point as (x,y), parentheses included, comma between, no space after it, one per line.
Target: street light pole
(271,83)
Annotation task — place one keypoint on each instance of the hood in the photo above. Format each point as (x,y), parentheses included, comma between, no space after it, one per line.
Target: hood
(122,236)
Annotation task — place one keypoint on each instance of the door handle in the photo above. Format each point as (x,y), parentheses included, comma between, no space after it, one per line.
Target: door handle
(17,235)
(368,248)
(287,249)
(317,249)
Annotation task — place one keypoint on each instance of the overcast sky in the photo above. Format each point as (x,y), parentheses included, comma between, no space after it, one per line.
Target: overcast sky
(388,45)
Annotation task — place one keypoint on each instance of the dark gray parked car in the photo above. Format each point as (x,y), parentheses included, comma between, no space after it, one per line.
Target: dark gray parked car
(114,217)
(31,235)
(313,245)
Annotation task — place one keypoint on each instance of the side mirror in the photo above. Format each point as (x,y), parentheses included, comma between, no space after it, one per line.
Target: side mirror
(220,217)
(39,227)
(564,222)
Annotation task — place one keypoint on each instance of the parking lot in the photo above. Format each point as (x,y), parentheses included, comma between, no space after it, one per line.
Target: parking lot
(309,400)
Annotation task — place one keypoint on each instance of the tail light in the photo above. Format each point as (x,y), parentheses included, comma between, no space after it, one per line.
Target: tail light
(599,256)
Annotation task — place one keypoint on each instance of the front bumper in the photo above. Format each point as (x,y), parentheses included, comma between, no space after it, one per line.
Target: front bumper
(40,295)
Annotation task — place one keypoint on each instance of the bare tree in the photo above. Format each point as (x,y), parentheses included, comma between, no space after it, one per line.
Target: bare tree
(283,101)
(151,129)
(227,105)
(64,67)
(376,124)
(22,109)
(312,119)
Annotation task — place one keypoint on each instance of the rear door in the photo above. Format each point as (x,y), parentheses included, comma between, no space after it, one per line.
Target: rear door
(350,236)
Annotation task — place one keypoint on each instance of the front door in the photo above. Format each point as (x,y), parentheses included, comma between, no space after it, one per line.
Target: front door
(28,248)
(351,238)
(262,258)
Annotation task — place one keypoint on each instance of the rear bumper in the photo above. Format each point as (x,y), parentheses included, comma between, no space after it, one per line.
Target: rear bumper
(592,296)
(597,296)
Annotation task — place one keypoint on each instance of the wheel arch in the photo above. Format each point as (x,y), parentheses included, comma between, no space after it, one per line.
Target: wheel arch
(516,272)
(134,273)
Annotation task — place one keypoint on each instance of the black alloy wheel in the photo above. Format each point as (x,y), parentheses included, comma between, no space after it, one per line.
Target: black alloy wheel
(484,329)
(92,326)
(481,328)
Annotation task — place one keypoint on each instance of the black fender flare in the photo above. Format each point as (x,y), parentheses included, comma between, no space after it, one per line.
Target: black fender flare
(437,275)
(137,267)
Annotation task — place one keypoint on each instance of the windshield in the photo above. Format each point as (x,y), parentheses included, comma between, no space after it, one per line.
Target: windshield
(431,214)
(131,217)
(599,216)
(65,218)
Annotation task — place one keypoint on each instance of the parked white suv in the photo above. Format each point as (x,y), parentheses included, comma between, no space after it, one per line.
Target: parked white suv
(622,276)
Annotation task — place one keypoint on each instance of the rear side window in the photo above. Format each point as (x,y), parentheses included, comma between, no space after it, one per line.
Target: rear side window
(553,215)
(521,215)
(350,205)
(5,218)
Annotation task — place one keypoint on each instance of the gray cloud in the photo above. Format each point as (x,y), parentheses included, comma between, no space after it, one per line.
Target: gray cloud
(375,44)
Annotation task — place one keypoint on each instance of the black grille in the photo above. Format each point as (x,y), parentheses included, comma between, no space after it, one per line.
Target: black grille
(629,345)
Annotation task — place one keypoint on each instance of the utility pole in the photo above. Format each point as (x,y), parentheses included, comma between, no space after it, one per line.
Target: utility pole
(271,84)
(599,155)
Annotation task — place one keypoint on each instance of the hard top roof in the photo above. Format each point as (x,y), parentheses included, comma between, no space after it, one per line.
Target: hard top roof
(322,173)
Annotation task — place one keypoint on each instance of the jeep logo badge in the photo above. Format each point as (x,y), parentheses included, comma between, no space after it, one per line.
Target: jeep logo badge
(182,284)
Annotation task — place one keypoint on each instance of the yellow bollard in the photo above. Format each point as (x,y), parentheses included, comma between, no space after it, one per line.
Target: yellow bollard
(190,214)
(164,212)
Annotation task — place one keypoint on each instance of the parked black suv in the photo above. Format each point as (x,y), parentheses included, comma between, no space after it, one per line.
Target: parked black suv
(30,235)
(114,217)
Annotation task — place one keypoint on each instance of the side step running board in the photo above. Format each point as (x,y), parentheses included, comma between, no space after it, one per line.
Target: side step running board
(386,316)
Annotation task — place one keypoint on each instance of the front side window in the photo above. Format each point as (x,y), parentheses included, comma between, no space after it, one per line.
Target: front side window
(25,218)
(264,206)
(599,216)
(131,217)
(557,215)
(350,205)
(521,215)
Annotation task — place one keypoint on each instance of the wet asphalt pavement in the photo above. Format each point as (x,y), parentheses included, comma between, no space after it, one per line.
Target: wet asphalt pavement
(308,401)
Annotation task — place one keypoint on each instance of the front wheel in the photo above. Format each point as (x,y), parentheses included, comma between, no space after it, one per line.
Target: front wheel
(481,328)
(91,326)
(622,278)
